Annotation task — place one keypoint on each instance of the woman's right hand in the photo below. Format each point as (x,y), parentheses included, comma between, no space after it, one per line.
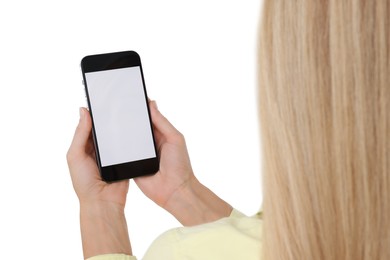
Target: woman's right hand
(175,187)
(175,170)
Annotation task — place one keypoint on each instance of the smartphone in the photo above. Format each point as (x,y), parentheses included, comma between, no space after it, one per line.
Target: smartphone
(121,125)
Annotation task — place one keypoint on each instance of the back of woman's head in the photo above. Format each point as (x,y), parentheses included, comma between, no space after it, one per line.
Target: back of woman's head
(324,97)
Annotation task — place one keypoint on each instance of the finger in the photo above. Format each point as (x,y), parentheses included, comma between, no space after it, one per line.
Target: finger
(160,122)
(82,133)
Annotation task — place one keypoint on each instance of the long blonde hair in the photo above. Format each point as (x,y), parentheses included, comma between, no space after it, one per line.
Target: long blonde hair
(324,102)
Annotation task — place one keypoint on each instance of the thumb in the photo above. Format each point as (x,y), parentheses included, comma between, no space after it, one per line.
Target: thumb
(161,122)
(81,135)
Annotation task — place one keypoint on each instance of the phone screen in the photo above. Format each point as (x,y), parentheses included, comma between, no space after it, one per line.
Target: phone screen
(120,115)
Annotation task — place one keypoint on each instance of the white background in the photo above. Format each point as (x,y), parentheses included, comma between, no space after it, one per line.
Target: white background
(199,61)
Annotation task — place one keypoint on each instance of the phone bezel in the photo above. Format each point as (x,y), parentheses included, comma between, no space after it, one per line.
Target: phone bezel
(108,61)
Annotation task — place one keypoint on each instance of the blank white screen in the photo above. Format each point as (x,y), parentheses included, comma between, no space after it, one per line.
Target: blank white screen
(120,115)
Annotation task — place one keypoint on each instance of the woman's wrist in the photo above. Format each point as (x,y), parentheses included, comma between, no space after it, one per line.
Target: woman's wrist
(195,204)
(103,229)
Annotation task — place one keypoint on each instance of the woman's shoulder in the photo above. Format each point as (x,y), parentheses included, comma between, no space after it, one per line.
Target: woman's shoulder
(233,227)
(234,237)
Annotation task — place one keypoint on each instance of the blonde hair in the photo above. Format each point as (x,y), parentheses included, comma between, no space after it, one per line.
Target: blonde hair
(324,102)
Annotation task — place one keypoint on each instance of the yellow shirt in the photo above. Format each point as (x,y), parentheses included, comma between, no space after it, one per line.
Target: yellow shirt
(234,237)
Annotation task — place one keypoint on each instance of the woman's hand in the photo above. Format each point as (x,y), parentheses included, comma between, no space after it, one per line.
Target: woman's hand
(83,169)
(174,187)
(102,218)
(175,171)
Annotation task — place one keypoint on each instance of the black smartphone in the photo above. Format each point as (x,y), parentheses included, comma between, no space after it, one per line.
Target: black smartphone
(121,125)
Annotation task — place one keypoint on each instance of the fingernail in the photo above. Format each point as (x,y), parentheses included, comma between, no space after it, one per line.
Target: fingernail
(152,103)
(81,112)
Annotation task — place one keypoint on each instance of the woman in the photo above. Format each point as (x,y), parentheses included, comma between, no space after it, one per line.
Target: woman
(324,102)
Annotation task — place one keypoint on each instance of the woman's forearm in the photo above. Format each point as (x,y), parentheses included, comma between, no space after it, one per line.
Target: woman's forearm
(103,229)
(195,204)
